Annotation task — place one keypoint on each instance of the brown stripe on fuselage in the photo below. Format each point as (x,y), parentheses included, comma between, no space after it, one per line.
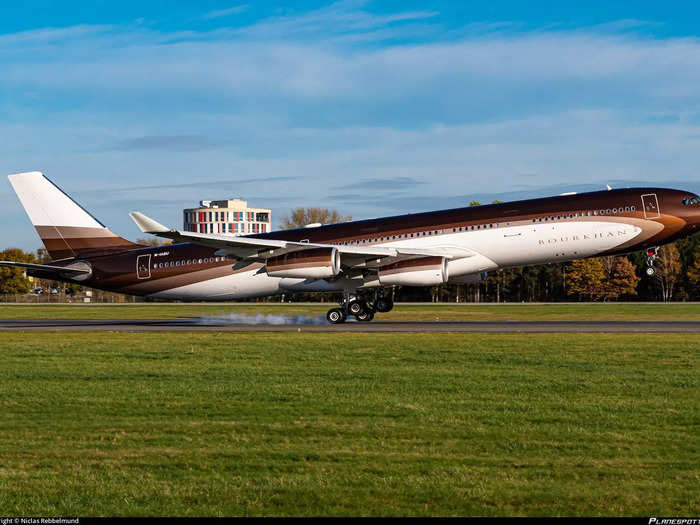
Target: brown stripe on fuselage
(118,272)
(153,285)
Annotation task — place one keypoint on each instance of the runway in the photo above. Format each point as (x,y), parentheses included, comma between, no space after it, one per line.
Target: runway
(209,325)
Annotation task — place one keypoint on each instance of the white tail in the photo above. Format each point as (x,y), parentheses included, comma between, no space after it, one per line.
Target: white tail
(47,205)
(66,229)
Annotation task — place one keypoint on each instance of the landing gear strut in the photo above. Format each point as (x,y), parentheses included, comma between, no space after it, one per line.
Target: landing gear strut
(363,310)
(651,256)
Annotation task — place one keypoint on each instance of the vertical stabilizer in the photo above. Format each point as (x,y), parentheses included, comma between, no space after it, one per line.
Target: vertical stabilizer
(65,228)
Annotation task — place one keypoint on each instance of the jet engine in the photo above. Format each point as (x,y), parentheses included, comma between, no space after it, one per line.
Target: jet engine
(316,263)
(425,271)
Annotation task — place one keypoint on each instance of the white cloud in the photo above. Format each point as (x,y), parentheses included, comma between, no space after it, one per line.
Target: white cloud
(340,95)
(220,13)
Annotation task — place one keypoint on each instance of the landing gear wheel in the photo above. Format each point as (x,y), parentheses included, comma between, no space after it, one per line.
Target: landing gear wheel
(356,307)
(365,317)
(383,304)
(335,316)
(651,256)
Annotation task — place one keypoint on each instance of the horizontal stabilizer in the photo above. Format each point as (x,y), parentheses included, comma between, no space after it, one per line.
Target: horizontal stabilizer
(47,268)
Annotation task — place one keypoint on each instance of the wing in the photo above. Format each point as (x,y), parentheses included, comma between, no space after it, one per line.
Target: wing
(253,249)
(67,272)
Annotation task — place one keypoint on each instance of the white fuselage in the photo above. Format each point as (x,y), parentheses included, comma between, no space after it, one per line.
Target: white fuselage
(505,245)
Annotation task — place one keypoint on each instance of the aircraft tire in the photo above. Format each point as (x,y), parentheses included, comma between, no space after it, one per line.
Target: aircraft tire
(383,305)
(356,307)
(335,316)
(365,317)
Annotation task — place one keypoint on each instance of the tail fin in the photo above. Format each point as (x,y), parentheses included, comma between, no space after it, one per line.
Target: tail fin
(65,228)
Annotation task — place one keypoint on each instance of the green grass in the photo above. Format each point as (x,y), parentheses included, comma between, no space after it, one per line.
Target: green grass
(442,312)
(349,424)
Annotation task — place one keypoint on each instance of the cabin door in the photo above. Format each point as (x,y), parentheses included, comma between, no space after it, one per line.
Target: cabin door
(651,206)
(143,266)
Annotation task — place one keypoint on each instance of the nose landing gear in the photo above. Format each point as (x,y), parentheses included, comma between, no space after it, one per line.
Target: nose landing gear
(651,256)
(363,310)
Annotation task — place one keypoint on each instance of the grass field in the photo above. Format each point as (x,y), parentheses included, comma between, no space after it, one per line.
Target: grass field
(402,312)
(338,424)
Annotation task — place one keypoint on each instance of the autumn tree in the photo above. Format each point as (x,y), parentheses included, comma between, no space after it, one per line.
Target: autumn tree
(693,272)
(300,217)
(153,241)
(584,277)
(668,269)
(14,280)
(620,277)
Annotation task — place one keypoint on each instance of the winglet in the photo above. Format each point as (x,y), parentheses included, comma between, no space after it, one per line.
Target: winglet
(146,224)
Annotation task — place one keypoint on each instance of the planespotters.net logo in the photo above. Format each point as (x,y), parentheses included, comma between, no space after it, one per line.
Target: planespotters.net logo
(674,521)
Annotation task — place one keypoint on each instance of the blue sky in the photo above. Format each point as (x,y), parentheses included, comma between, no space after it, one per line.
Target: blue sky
(373,108)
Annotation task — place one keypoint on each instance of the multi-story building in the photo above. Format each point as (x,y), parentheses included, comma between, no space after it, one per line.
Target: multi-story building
(229,217)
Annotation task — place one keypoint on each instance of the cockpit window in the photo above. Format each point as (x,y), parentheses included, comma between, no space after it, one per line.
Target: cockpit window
(688,201)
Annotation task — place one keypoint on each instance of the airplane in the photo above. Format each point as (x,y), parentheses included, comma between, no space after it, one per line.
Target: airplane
(362,259)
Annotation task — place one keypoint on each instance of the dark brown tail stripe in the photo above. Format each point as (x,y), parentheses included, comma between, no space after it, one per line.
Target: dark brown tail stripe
(69,241)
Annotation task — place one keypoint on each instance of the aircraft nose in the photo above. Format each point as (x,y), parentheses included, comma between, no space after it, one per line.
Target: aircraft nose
(691,212)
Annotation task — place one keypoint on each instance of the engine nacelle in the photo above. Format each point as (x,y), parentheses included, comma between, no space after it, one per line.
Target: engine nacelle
(316,263)
(474,264)
(473,278)
(426,271)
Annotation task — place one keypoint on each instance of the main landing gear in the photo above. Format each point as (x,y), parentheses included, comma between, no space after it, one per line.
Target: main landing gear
(362,308)
(651,256)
